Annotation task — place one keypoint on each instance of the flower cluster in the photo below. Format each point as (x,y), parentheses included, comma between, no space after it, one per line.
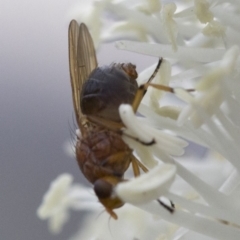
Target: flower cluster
(199,42)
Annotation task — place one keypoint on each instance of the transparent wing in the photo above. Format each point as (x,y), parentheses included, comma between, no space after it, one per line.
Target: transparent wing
(82,60)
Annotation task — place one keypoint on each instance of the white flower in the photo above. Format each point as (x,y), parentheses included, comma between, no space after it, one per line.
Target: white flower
(169,23)
(202,11)
(60,198)
(199,42)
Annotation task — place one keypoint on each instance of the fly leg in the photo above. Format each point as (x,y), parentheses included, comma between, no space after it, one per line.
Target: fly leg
(170,209)
(136,164)
(143,88)
(141,91)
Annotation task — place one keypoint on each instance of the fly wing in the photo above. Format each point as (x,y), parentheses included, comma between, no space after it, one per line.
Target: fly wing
(82,60)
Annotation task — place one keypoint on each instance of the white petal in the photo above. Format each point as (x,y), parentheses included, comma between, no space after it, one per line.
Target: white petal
(145,134)
(125,30)
(225,67)
(209,101)
(214,29)
(165,51)
(202,11)
(169,111)
(57,221)
(136,128)
(148,186)
(169,23)
(150,6)
(54,196)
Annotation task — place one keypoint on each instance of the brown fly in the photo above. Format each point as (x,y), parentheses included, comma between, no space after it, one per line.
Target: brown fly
(97,92)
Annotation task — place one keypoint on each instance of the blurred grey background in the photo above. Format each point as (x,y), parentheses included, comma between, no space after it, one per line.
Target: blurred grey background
(36,111)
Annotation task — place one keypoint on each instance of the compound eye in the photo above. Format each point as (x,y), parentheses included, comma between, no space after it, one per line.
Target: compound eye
(103,189)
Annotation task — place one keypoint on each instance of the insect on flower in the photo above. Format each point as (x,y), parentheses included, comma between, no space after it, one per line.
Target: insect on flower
(97,92)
